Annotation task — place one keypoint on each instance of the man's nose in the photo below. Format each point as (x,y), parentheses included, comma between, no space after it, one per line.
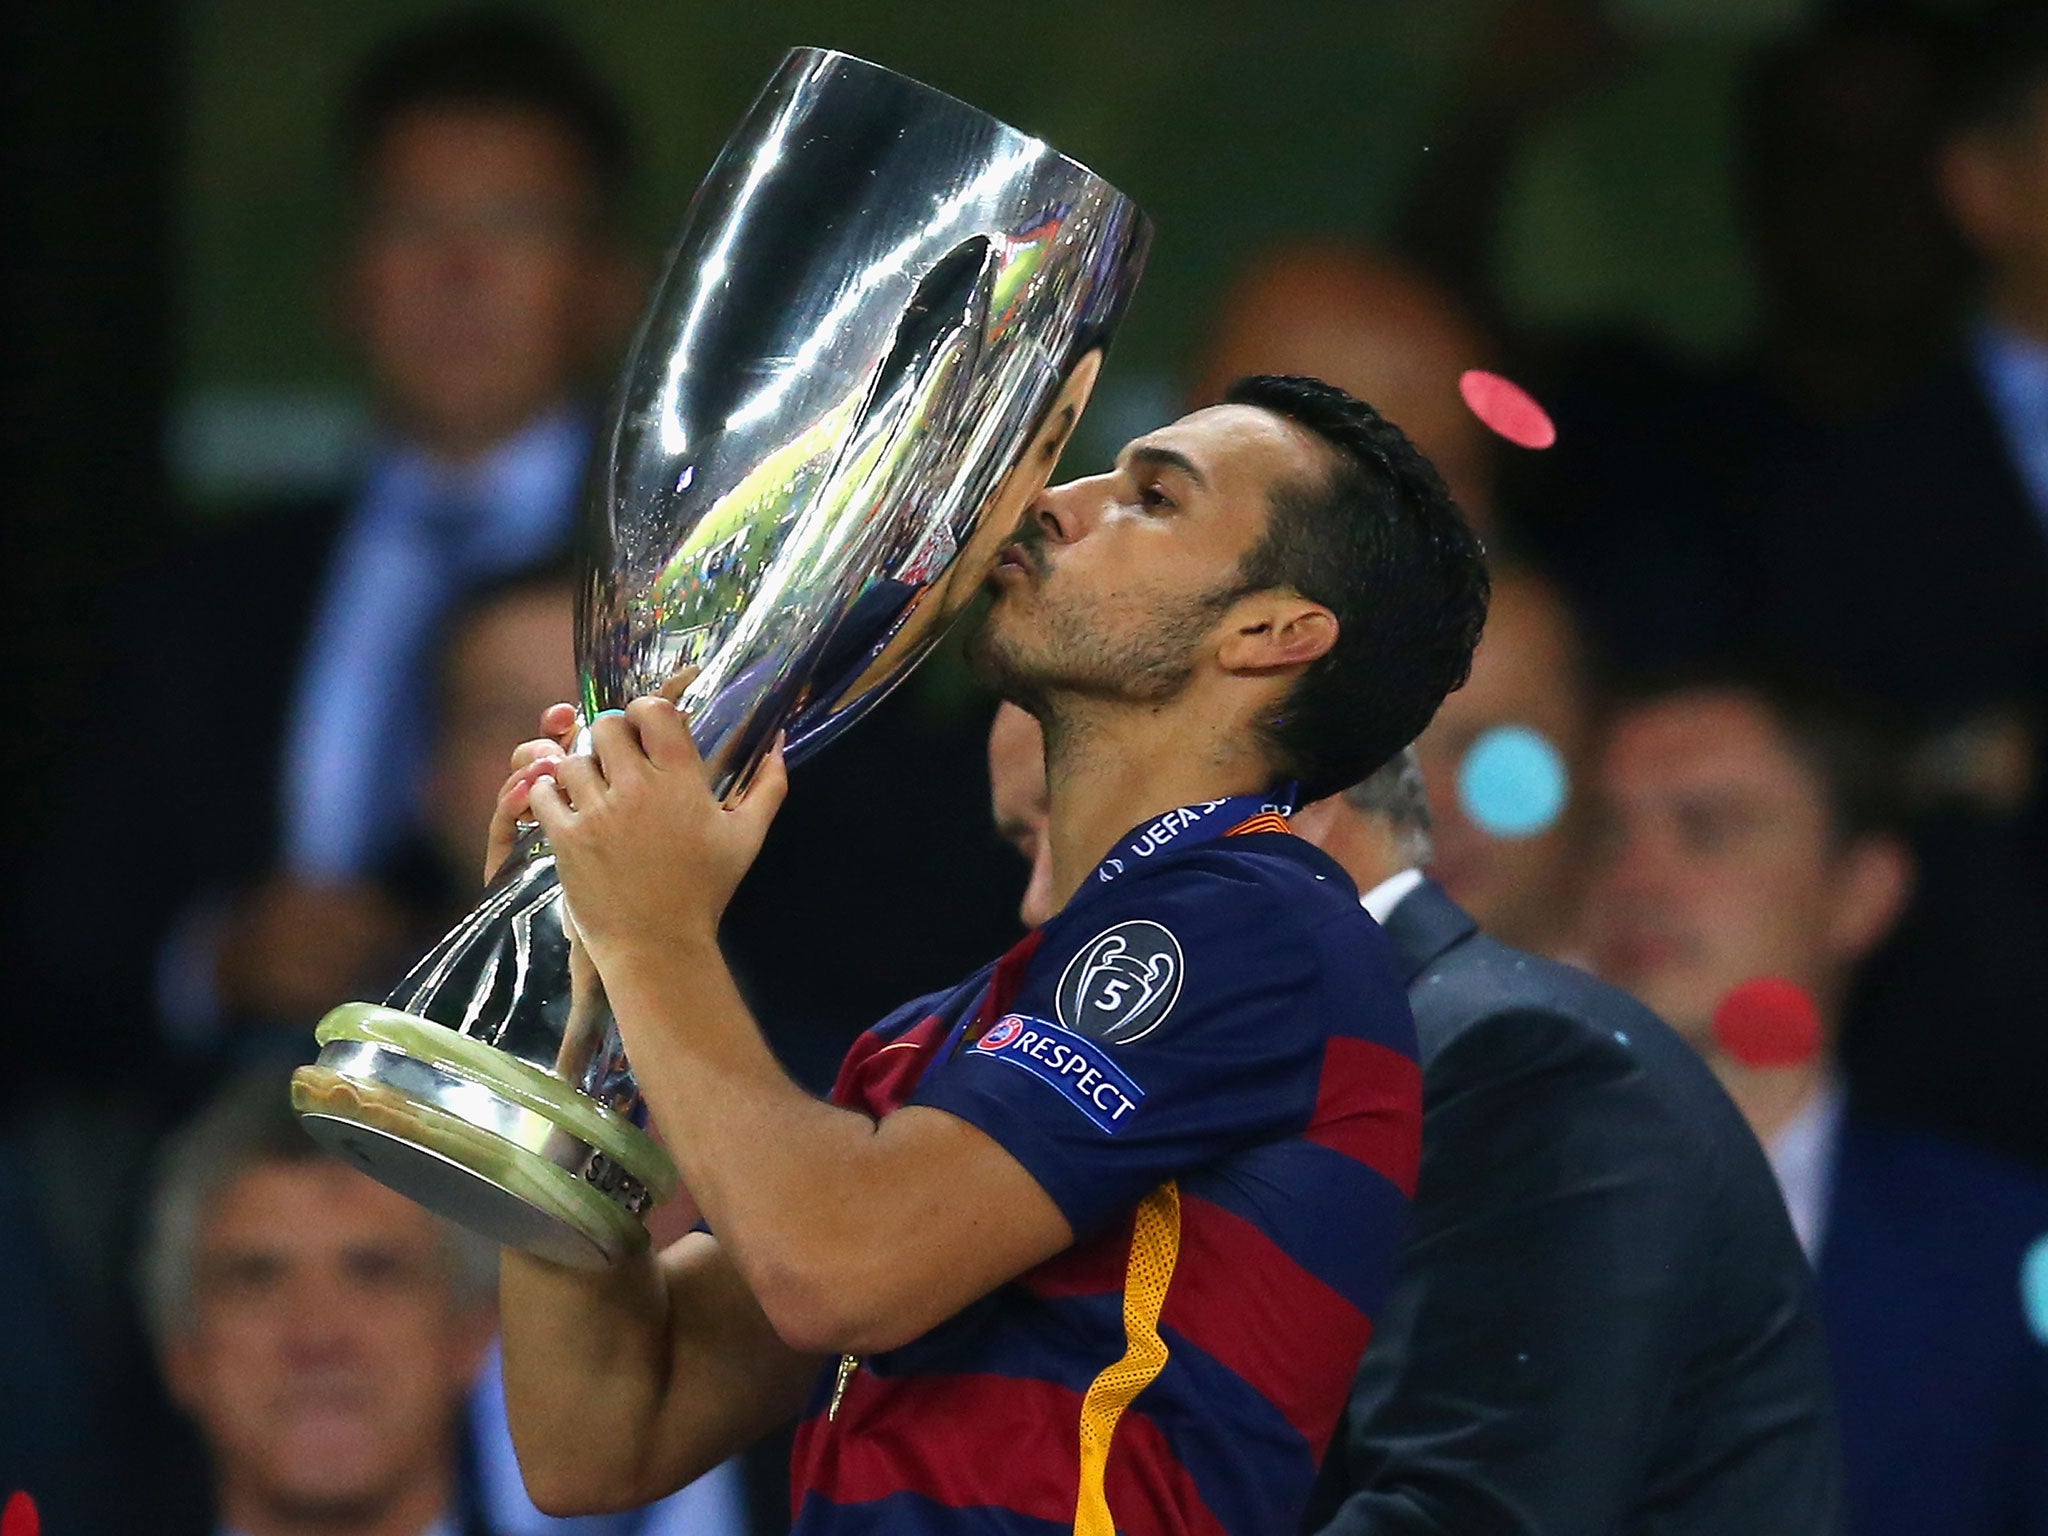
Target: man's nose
(1061,512)
(324,1321)
(1634,866)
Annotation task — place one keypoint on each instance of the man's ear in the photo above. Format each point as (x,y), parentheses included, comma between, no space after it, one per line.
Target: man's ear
(1274,632)
(1877,880)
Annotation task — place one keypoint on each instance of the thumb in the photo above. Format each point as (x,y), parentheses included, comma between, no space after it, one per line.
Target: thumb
(756,807)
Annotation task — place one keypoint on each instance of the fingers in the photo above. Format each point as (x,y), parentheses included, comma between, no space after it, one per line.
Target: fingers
(672,690)
(579,777)
(664,733)
(551,808)
(506,815)
(539,750)
(755,810)
(615,743)
(513,790)
(558,732)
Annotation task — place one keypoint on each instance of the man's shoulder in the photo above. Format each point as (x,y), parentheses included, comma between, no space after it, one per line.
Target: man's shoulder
(253,570)
(1489,1014)
(1276,900)
(1274,883)
(1918,1221)
(1483,990)
(1260,924)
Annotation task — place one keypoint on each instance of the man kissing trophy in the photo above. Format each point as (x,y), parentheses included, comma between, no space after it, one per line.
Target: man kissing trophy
(883,316)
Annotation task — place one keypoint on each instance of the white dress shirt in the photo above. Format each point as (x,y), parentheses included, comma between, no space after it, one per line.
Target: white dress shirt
(1802,1155)
(1381,900)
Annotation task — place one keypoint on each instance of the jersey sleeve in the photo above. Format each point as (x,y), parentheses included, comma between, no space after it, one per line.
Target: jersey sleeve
(1161,1027)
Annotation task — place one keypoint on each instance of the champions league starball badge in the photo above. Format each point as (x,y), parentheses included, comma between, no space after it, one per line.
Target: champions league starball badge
(1122,983)
(883,315)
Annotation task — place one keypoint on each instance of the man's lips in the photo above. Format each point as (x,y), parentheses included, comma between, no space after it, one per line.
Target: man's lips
(1015,556)
(1641,953)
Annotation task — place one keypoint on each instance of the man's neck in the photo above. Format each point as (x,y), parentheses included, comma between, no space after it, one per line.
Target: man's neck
(463,445)
(253,1511)
(1110,768)
(1770,1098)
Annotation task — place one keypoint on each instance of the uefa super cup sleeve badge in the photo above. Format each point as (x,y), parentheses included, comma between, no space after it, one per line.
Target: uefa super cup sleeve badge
(884,307)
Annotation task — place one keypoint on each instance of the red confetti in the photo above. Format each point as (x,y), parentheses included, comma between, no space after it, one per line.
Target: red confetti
(1768,1022)
(1507,408)
(19,1518)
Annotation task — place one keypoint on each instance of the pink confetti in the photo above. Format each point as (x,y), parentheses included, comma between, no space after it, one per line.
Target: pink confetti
(1507,408)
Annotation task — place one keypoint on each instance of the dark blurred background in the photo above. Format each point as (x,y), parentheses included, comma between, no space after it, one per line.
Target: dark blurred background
(1777,267)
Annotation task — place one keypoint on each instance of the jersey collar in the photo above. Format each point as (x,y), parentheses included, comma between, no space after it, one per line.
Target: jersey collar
(1189,825)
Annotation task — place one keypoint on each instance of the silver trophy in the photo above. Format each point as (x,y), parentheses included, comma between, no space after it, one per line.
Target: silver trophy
(882,317)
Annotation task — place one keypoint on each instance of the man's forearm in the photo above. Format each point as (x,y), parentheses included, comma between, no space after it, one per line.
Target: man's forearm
(587,1356)
(625,1385)
(783,1178)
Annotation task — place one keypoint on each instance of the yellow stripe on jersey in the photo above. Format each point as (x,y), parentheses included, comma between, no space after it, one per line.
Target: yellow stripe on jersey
(1155,1247)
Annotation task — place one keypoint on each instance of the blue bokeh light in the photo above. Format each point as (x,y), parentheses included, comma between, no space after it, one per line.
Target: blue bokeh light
(1513,782)
(2034,1286)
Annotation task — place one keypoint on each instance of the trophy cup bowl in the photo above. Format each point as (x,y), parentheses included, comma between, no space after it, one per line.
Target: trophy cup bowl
(882,317)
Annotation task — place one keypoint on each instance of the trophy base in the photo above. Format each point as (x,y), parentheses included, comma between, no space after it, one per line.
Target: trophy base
(480,1137)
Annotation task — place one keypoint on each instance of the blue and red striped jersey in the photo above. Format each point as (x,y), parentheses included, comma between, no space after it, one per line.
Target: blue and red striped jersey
(1208,1062)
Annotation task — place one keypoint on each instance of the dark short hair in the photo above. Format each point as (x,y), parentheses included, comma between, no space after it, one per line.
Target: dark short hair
(1855,748)
(1379,542)
(490,60)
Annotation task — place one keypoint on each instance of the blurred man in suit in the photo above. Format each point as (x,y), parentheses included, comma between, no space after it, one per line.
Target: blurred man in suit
(1906,558)
(482,282)
(319,1329)
(1910,556)
(1523,882)
(1751,831)
(204,872)
(1601,1321)
(1594,1239)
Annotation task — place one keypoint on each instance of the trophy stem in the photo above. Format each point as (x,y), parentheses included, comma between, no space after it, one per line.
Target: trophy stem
(492,1086)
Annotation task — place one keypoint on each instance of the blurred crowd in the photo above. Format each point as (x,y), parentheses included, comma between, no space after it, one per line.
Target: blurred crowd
(1761,698)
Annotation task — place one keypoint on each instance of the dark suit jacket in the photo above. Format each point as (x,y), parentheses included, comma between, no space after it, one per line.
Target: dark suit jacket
(1943,1387)
(177,794)
(1603,1322)
(1905,558)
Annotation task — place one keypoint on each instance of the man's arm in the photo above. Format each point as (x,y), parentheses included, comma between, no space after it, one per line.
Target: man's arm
(834,1233)
(1522,1357)
(624,1385)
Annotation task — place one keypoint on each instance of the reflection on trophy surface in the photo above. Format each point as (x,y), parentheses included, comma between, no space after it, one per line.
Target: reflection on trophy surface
(882,318)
